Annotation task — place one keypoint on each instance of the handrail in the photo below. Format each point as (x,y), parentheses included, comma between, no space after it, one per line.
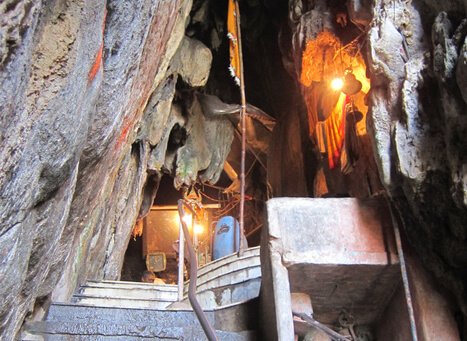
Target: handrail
(208,329)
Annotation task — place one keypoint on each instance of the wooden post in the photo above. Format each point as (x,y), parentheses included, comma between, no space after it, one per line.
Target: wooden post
(243,130)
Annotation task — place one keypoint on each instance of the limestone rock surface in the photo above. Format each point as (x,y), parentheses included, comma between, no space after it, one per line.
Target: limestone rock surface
(75,79)
(193,62)
(417,118)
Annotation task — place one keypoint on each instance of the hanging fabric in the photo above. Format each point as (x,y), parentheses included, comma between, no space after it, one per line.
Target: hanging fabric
(321,136)
(331,132)
(232,34)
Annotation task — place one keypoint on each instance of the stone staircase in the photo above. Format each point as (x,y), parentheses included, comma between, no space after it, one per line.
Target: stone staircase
(110,310)
(126,295)
(228,280)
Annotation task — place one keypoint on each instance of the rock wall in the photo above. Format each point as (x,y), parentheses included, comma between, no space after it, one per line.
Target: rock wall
(76,77)
(419,125)
(47,100)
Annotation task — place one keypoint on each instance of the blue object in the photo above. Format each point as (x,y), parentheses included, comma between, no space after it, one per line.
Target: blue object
(226,237)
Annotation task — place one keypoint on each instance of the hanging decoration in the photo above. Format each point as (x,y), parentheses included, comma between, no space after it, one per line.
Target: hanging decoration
(351,85)
(330,133)
(232,34)
(332,77)
(351,151)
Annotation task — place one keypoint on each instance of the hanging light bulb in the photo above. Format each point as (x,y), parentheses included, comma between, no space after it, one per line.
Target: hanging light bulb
(337,84)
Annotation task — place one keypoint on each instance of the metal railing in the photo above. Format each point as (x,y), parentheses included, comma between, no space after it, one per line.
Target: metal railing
(193,261)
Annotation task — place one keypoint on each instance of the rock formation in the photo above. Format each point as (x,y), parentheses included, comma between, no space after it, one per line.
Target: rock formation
(417,119)
(86,90)
(97,101)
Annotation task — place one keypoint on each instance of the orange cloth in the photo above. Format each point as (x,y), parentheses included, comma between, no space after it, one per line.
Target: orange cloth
(334,129)
(232,34)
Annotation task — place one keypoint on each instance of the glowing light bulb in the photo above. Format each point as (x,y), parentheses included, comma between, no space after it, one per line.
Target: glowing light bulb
(199,229)
(337,84)
(187,218)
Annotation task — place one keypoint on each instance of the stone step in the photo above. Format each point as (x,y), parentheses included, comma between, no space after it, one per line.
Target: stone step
(150,293)
(224,289)
(223,296)
(229,270)
(229,277)
(233,258)
(236,317)
(131,285)
(223,282)
(81,322)
(122,302)
(62,312)
(52,331)
(226,281)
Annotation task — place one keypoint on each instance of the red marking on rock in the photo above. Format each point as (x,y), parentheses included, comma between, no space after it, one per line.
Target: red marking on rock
(123,135)
(128,122)
(98,60)
(97,64)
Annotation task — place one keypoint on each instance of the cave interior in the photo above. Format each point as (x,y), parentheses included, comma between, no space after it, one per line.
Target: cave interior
(355,129)
(318,145)
(277,94)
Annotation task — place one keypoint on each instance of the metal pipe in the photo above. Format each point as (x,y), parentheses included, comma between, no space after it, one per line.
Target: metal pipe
(181,261)
(405,277)
(208,329)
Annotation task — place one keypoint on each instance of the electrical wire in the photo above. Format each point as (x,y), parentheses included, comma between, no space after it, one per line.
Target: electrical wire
(209,197)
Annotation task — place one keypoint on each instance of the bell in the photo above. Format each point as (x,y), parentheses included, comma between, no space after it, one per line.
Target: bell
(351,85)
(354,116)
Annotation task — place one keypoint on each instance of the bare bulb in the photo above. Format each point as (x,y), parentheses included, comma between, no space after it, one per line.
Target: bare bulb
(337,84)
(199,229)
(187,218)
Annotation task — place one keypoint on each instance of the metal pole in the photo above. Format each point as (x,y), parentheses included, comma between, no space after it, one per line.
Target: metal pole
(243,129)
(195,236)
(405,277)
(208,330)
(181,261)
